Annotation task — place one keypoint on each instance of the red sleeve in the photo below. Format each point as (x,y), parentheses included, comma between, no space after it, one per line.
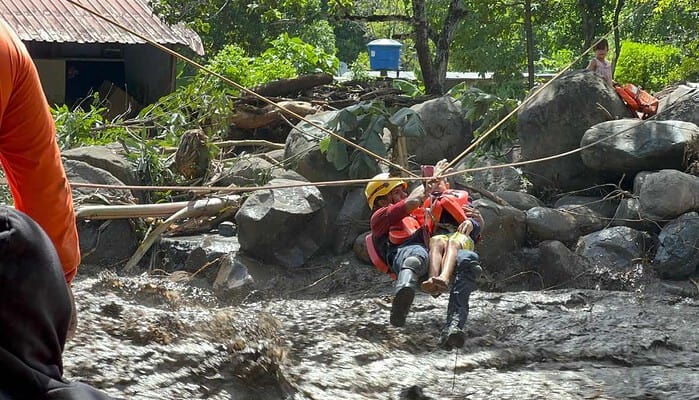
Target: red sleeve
(385,217)
(29,152)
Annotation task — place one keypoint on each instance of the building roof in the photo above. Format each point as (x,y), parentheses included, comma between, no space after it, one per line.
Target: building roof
(62,22)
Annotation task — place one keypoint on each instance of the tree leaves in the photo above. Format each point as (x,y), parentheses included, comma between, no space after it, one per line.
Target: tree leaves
(364,124)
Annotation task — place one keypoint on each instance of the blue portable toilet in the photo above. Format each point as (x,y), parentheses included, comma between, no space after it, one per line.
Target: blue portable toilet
(384,54)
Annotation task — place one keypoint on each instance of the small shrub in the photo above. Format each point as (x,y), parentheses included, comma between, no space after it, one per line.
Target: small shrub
(650,66)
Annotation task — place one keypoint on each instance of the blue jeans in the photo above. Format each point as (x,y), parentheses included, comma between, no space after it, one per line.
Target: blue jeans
(464,283)
(411,250)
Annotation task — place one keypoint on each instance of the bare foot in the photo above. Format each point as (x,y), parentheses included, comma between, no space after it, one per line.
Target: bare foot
(429,287)
(441,285)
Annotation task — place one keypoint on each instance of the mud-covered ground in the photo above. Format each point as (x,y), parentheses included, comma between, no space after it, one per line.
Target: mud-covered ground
(322,332)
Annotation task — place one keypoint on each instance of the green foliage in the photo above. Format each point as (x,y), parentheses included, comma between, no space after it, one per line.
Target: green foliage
(646,65)
(360,67)
(363,124)
(79,127)
(409,88)
(248,24)
(305,57)
(555,62)
(485,111)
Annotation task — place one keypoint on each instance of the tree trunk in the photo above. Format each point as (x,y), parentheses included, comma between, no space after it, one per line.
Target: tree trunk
(617,36)
(529,36)
(422,37)
(434,71)
(591,13)
(284,87)
(441,60)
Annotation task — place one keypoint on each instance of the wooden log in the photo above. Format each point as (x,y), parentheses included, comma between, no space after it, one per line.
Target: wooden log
(285,87)
(252,118)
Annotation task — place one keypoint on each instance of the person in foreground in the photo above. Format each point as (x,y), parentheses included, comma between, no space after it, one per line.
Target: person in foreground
(397,245)
(35,312)
(29,154)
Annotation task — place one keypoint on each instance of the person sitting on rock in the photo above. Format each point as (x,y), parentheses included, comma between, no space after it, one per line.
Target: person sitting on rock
(453,224)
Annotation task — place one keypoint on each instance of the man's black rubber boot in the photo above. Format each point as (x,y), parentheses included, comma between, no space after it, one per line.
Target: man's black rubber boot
(452,337)
(405,285)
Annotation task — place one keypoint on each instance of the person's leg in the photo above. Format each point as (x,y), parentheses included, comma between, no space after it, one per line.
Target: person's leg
(454,244)
(467,271)
(436,254)
(409,264)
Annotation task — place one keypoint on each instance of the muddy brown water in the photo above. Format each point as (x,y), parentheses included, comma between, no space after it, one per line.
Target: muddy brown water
(322,332)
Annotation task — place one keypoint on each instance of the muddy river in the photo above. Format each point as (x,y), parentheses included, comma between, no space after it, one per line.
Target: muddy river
(322,332)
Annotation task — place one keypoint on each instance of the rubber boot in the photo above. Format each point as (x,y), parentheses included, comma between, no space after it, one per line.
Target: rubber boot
(452,336)
(406,283)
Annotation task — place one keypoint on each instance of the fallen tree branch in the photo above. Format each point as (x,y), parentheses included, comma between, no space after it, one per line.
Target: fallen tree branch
(192,209)
(249,142)
(129,211)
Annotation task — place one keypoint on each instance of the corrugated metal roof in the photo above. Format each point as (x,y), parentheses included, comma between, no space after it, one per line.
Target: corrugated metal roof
(62,22)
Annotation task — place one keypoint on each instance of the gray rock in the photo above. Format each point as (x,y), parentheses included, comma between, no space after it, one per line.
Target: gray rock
(633,145)
(554,122)
(561,224)
(603,207)
(98,245)
(79,171)
(106,158)
(352,220)
(681,105)
(519,200)
(629,214)
(504,231)
(616,248)
(283,226)
(678,251)
(559,266)
(448,132)
(667,194)
(493,180)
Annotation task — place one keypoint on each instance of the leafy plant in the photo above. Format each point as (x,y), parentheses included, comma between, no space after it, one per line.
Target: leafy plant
(486,110)
(647,65)
(80,127)
(409,88)
(363,124)
(359,68)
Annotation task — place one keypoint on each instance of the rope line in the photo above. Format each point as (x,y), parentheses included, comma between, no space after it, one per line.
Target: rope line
(241,88)
(412,177)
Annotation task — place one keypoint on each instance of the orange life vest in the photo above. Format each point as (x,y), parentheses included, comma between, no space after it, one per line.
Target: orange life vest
(638,100)
(407,227)
(451,201)
(375,258)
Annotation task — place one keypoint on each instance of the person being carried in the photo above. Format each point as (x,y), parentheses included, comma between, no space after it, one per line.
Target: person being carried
(397,246)
(599,65)
(453,224)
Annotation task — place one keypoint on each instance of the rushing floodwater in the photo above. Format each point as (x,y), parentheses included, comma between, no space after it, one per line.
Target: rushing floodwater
(324,334)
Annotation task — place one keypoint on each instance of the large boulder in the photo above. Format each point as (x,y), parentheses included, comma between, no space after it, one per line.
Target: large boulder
(448,131)
(82,172)
(678,250)
(252,170)
(628,146)
(504,231)
(615,248)
(555,120)
(496,179)
(564,224)
(667,194)
(106,158)
(283,226)
(352,219)
(303,154)
(681,105)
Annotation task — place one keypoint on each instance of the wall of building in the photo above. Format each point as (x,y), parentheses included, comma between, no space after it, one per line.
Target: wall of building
(70,70)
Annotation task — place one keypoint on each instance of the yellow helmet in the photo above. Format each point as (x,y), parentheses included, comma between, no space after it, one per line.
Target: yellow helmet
(380,186)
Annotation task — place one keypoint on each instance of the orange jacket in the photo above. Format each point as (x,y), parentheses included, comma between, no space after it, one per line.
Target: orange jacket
(29,153)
